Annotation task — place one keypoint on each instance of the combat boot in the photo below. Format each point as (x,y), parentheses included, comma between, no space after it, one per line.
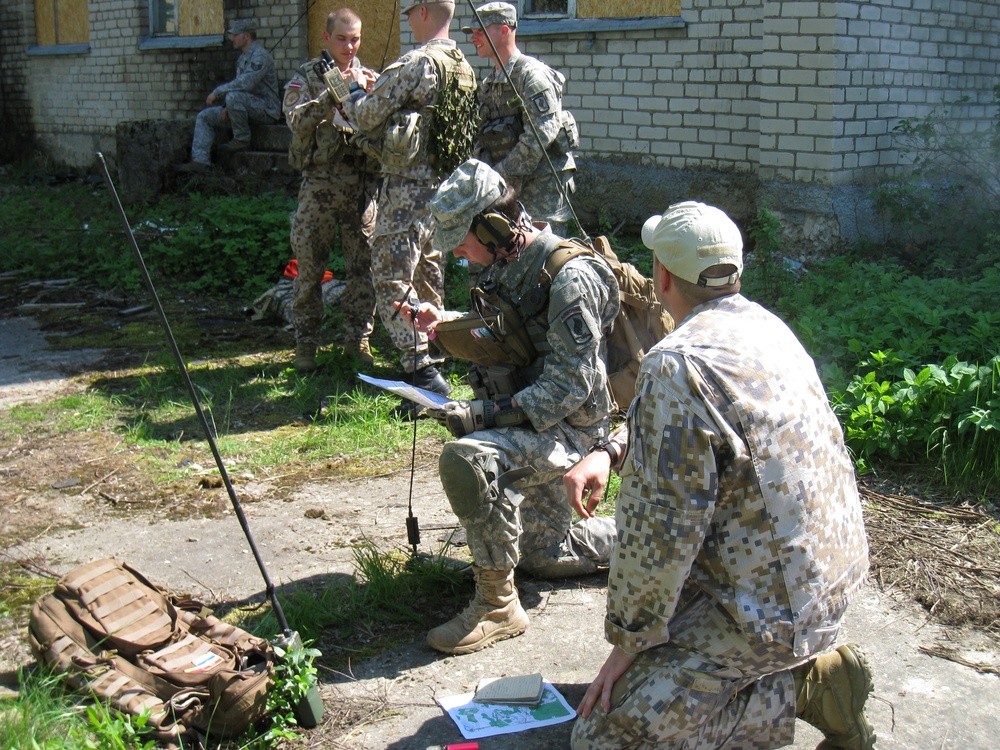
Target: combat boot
(494,614)
(360,351)
(305,358)
(831,691)
(430,379)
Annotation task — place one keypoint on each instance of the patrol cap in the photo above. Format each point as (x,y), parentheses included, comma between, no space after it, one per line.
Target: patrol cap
(411,6)
(491,13)
(242,26)
(692,237)
(472,187)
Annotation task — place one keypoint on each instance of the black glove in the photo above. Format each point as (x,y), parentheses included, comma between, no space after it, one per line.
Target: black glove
(463,417)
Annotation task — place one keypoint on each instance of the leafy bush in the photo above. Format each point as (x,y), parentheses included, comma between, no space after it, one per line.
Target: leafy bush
(947,415)
(213,244)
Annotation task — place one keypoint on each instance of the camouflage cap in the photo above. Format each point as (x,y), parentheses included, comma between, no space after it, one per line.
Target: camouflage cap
(467,191)
(692,237)
(491,13)
(410,6)
(242,26)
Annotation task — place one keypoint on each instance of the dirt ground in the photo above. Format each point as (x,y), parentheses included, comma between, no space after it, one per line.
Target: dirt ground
(68,501)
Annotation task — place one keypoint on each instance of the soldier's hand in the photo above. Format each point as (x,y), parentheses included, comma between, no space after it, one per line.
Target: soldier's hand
(463,417)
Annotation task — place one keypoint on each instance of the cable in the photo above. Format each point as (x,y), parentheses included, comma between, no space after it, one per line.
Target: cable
(237,507)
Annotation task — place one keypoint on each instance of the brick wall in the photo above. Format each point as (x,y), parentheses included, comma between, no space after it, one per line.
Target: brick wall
(75,101)
(792,103)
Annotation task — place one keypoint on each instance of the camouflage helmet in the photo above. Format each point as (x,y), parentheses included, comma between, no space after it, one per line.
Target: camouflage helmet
(494,13)
(469,190)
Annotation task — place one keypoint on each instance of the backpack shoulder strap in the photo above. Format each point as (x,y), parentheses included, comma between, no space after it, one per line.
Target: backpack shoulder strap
(563,252)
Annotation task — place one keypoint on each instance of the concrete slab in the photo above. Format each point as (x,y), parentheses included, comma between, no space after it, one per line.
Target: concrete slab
(920,703)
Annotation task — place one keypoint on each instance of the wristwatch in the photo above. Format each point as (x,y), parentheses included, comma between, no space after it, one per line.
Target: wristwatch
(609,447)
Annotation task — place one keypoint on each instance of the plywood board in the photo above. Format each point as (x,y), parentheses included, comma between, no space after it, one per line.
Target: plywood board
(379,29)
(627,8)
(200,17)
(61,22)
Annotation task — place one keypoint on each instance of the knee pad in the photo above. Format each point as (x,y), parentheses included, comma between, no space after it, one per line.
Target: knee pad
(464,477)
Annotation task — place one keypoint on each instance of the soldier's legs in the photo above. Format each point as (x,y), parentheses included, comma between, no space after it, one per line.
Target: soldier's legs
(356,229)
(526,524)
(244,107)
(401,256)
(313,231)
(708,687)
(482,475)
(205,126)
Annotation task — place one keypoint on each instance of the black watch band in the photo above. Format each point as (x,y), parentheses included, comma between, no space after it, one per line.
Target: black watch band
(606,445)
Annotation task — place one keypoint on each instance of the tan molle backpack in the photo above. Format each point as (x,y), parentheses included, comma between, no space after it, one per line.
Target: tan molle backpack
(134,645)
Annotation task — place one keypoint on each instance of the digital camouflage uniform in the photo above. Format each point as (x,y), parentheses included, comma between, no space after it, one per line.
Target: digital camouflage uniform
(338,187)
(740,537)
(252,95)
(526,522)
(509,145)
(402,250)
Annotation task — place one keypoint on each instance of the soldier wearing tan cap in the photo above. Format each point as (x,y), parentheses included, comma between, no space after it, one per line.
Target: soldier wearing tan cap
(740,535)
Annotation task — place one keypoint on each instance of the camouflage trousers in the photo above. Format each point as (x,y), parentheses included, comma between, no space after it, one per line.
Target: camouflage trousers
(709,687)
(340,196)
(402,256)
(544,202)
(240,109)
(515,516)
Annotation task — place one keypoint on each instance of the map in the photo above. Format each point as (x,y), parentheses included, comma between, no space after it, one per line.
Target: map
(476,720)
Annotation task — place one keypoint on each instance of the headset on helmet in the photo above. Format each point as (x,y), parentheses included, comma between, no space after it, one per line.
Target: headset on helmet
(494,230)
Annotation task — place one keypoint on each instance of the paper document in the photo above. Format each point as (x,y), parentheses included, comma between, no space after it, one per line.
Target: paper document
(417,395)
(477,720)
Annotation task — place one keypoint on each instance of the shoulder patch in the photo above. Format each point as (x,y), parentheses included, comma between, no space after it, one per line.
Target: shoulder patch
(575,323)
(541,102)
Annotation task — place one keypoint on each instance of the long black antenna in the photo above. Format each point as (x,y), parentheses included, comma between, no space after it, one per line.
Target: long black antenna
(269,587)
(519,103)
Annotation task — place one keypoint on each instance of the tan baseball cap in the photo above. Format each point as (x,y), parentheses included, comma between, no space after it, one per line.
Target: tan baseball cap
(467,191)
(491,13)
(411,6)
(692,237)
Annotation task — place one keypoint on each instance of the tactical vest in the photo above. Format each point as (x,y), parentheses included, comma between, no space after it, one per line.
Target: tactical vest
(440,134)
(502,120)
(506,338)
(326,143)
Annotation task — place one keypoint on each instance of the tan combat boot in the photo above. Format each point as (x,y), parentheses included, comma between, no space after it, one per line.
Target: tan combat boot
(831,691)
(305,358)
(494,614)
(360,351)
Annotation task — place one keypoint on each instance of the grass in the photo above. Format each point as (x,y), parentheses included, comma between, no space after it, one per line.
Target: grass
(909,362)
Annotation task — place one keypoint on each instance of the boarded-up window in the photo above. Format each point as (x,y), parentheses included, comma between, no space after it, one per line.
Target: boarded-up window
(61,22)
(601,8)
(185,17)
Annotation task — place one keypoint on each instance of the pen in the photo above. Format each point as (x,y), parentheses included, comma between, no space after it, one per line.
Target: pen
(405,297)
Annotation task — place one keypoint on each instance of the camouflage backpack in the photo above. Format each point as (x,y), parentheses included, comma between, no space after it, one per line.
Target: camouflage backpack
(454,116)
(128,642)
(641,321)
